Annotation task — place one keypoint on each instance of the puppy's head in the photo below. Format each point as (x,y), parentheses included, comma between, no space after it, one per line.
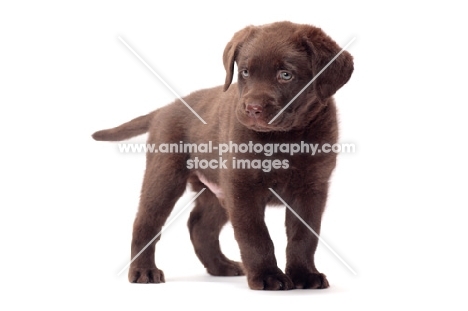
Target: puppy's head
(275,63)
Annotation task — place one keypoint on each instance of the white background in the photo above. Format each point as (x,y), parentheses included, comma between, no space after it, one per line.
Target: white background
(397,207)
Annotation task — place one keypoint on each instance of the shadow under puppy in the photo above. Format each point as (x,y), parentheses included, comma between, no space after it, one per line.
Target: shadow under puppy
(275,62)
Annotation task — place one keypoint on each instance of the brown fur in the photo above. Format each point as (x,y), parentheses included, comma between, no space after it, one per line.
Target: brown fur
(241,114)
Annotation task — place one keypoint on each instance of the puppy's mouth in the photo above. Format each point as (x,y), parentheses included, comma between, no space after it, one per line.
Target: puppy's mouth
(260,126)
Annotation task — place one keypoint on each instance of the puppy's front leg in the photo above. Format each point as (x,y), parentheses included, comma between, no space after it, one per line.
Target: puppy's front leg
(246,206)
(302,243)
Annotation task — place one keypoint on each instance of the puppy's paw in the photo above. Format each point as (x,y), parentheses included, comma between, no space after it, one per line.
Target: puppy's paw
(309,280)
(226,268)
(270,280)
(146,275)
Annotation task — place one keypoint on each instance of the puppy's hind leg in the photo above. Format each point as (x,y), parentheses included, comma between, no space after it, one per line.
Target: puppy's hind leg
(164,182)
(205,223)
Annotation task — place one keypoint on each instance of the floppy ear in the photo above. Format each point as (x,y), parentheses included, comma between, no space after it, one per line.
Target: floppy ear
(231,50)
(323,50)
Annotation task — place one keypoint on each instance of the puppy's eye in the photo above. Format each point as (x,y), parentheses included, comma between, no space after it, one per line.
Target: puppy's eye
(285,75)
(245,73)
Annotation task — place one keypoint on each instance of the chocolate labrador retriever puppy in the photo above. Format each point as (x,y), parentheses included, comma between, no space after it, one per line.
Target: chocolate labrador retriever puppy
(275,62)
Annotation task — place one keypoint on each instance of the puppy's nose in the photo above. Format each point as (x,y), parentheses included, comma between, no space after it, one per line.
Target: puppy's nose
(254,110)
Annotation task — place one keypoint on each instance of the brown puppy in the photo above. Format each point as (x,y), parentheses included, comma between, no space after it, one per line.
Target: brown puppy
(275,62)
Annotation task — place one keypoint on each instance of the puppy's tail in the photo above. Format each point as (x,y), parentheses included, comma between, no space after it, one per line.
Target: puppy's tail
(127,130)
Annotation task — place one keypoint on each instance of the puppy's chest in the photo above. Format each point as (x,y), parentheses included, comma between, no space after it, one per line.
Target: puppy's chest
(267,171)
(279,169)
(291,172)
